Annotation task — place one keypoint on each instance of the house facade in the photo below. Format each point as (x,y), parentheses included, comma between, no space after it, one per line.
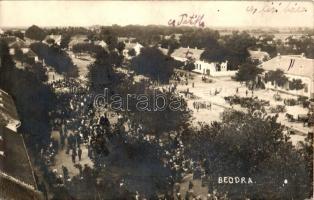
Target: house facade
(202,66)
(294,67)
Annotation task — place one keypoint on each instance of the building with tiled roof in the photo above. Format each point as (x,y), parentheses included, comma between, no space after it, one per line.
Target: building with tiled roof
(17,180)
(131,45)
(19,45)
(183,54)
(259,55)
(126,39)
(201,66)
(294,67)
(8,113)
(77,39)
(101,43)
(55,38)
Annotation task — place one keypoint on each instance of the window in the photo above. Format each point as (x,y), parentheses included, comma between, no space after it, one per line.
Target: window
(306,88)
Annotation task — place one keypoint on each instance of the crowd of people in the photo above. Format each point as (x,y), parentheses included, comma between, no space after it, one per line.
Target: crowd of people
(73,121)
(80,126)
(202,105)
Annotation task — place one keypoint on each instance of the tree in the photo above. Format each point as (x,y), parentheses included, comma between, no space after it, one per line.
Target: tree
(246,146)
(277,77)
(248,73)
(33,99)
(50,41)
(6,66)
(132,52)
(170,44)
(296,84)
(153,63)
(120,47)
(87,48)
(65,39)
(18,34)
(237,46)
(56,58)
(200,38)
(215,54)
(189,66)
(35,33)
(101,73)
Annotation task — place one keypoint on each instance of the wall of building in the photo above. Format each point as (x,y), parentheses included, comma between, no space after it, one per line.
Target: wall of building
(307,91)
(224,73)
(211,69)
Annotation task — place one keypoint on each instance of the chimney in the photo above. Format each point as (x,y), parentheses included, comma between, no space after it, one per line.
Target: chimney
(195,48)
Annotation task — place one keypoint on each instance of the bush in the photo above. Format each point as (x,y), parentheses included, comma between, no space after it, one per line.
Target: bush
(290,102)
(278,109)
(277,97)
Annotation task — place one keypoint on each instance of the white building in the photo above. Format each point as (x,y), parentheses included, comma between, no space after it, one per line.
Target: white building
(129,46)
(55,38)
(101,43)
(18,44)
(294,67)
(202,66)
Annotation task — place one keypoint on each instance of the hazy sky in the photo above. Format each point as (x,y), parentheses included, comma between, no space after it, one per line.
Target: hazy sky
(221,13)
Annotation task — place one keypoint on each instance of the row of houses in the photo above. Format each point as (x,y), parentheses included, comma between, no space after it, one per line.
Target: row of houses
(215,69)
(17,180)
(294,67)
(18,45)
(129,43)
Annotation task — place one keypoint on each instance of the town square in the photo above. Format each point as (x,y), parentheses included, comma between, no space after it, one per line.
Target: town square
(172,101)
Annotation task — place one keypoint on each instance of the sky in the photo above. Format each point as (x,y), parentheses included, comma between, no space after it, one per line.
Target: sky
(216,13)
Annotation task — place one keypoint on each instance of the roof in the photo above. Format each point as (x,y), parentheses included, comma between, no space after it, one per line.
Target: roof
(132,45)
(176,36)
(291,64)
(125,39)
(10,189)
(31,53)
(18,44)
(101,43)
(260,55)
(7,107)
(15,162)
(163,50)
(9,39)
(187,53)
(76,39)
(56,38)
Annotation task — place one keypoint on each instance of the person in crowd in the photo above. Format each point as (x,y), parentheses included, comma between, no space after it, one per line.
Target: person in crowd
(79,152)
(73,155)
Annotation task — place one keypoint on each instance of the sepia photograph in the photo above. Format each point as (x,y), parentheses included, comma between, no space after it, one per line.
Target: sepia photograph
(156,100)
